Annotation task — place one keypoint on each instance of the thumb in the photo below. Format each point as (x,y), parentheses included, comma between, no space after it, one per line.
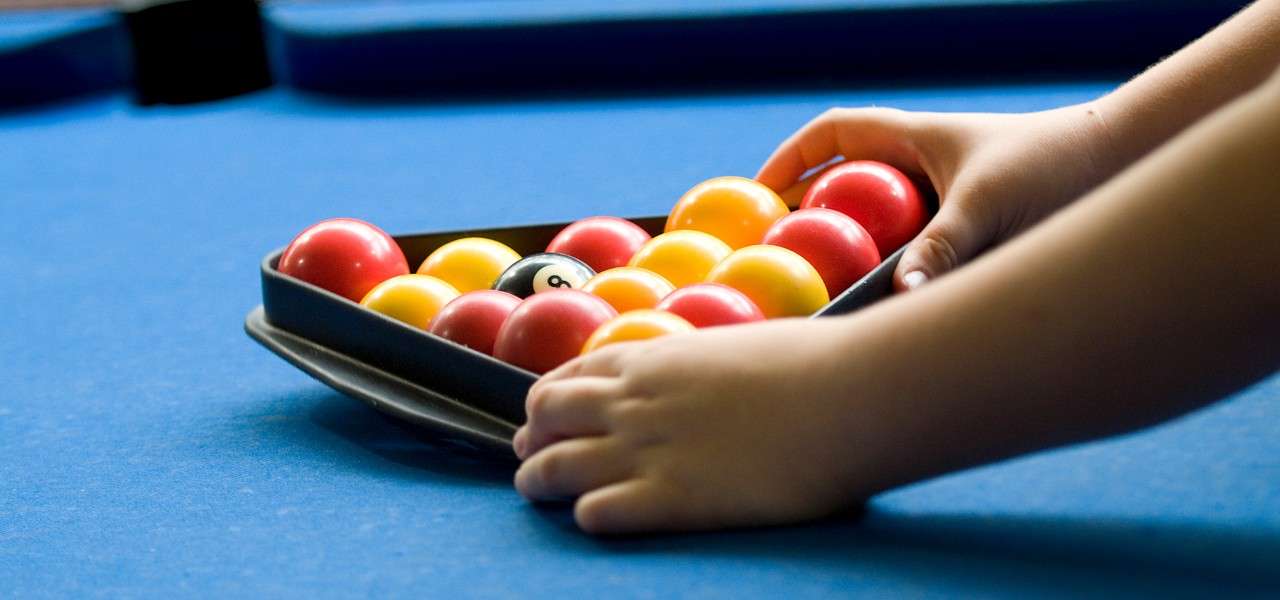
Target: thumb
(955,235)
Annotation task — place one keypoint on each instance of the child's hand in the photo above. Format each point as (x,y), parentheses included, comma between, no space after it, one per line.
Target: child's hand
(761,424)
(995,174)
(728,426)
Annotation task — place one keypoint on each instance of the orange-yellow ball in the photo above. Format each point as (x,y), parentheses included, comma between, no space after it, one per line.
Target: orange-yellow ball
(414,299)
(683,257)
(735,209)
(469,264)
(636,325)
(779,281)
(629,288)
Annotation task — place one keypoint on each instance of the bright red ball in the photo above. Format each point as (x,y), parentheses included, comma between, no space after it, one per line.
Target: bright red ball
(877,196)
(601,242)
(549,328)
(836,245)
(345,256)
(711,304)
(474,318)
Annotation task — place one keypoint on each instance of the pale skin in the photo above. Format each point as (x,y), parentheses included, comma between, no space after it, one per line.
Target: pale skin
(1153,293)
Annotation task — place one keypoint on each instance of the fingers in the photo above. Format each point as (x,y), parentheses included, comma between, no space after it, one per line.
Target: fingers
(569,400)
(565,408)
(868,133)
(954,236)
(795,194)
(573,467)
(605,362)
(629,506)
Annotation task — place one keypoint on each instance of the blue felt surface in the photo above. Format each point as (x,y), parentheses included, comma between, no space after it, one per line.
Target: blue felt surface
(147,447)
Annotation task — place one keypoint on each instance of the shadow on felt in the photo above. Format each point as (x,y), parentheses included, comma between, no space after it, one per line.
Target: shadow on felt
(1042,552)
(1050,553)
(370,441)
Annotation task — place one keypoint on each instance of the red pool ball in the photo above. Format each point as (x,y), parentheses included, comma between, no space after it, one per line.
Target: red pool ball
(474,318)
(601,242)
(836,245)
(345,256)
(549,328)
(711,304)
(877,196)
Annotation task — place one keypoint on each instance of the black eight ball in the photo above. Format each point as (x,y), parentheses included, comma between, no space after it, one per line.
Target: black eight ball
(543,271)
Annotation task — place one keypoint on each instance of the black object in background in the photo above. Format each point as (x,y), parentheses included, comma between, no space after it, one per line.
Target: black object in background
(194,50)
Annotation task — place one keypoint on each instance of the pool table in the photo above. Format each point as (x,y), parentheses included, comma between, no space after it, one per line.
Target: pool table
(148,448)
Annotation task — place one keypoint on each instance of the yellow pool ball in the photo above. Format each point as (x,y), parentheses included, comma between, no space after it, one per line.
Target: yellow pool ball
(735,209)
(414,299)
(634,326)
(629,288)
(683,257)
(779,281)
(469,264)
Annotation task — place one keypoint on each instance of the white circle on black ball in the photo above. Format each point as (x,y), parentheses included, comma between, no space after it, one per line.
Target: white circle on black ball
(553,277)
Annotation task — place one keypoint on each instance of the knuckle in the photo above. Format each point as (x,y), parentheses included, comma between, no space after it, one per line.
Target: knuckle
(535,405)
(883,112)
(639,424)
(629,413)
(833,118)
(875,116)
(977,204)
(551,468)
(937,247)
(832,114)
(592,361)
(604,360)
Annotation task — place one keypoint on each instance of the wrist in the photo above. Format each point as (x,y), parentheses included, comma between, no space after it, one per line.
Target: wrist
(1121,117)
(886,396)
(1094,144)
(1105,151)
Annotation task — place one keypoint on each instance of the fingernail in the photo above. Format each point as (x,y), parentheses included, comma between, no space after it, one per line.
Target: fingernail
(914,279)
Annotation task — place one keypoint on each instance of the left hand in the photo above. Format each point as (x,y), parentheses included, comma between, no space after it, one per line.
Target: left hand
(739,425)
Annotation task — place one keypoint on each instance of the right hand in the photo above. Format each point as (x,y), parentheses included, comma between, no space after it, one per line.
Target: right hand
(995,174)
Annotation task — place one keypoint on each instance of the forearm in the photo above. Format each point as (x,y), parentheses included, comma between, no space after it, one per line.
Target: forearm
(1215,69)
(1153,295)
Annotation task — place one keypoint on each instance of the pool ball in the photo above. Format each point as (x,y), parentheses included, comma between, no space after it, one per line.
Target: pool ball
(541,272)
(634,326)
(735,209)
(550,328)
(345,256)
(877,196)
(469,264)
(780,282)
(413,299)
(711,304)
(629,288)
(601,242)
(473,319)
(836,245)
(683,257)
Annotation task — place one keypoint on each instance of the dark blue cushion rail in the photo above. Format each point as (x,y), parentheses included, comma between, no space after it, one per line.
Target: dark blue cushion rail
(52,55)
(449,48)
